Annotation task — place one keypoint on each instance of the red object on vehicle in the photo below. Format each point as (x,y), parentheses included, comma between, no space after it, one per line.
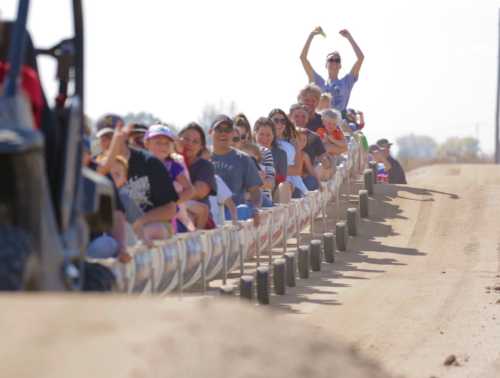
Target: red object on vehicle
(30,84)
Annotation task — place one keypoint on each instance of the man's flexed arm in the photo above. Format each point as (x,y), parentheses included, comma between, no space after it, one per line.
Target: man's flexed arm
(359,54)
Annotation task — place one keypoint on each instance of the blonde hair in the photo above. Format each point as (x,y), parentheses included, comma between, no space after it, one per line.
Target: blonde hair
(311,89)
(331,114)
(326,96)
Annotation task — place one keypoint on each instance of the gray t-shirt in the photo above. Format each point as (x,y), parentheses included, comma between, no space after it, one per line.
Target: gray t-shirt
(238,172)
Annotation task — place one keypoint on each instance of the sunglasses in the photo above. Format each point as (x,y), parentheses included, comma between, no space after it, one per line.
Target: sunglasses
(226,130)
(279,120)
(236,139)
(333,60)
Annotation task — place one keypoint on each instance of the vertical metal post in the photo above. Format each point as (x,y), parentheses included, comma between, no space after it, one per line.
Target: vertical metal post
(206,239)
(257,247)
(311,223)
(180,272)
(270,237)
(323,212)
(224,261)
(297,231)
(242,265)
(285,231)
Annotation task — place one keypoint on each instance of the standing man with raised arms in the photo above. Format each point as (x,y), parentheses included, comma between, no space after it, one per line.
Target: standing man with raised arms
(340,89)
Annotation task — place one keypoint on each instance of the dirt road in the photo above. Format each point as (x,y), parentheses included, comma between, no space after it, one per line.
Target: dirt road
(416,286)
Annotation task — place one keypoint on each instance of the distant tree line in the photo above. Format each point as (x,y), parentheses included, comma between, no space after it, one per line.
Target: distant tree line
(423,147)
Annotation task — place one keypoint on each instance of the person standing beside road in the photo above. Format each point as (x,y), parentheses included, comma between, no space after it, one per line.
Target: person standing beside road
(340,89)
(396,172)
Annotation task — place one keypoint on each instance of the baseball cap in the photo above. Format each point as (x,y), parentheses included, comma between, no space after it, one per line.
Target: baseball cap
(160,130)
(333,55)
(138,128)
(220,120)
(383,143)
(373,148)
(107,123)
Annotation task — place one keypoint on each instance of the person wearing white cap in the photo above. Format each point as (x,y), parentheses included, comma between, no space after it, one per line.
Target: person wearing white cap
(148,184)
(159,140)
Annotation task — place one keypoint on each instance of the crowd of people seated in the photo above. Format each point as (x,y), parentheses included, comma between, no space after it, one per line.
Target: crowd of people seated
(170,182)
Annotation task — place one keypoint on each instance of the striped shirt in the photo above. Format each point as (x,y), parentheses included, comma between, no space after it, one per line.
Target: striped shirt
(267,164)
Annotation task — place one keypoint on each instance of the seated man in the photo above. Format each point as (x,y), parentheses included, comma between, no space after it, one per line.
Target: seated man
(236,169)
(396,172)
(148,184)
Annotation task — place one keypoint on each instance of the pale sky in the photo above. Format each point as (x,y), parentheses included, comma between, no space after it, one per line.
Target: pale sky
(430,66)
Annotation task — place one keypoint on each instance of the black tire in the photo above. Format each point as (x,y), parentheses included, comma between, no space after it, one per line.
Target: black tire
(340,236)
(291,269)
(329,247)
(315,255)
(352,221)
(279,276)
(373,167)
(15,247)
(97,277)
(363,204)
(368,179)
(263,285)
(246,287)
(303,262)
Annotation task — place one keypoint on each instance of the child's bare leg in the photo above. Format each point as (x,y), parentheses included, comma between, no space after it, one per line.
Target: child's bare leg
(199,212)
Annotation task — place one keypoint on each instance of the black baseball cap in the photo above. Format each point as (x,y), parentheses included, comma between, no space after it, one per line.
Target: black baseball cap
(107,124)
(383,143)
(138,128)
(221,119)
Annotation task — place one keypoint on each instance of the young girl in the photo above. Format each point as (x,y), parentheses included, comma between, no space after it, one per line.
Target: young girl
(325,102)
(265,168)
(307,166)
(331,134)
(159,140)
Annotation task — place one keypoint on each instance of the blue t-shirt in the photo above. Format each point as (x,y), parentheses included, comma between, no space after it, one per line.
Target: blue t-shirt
(339,89)
(238,172)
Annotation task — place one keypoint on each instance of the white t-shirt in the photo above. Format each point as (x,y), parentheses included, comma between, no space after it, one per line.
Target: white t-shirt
(223,193)
(289,149)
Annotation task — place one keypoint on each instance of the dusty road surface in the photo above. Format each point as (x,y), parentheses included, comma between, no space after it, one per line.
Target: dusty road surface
(420,283)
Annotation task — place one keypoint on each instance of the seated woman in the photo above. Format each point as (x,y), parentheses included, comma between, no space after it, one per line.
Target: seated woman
(265,136)
(192,143)
(307,165)
(285,137)
(331,134)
